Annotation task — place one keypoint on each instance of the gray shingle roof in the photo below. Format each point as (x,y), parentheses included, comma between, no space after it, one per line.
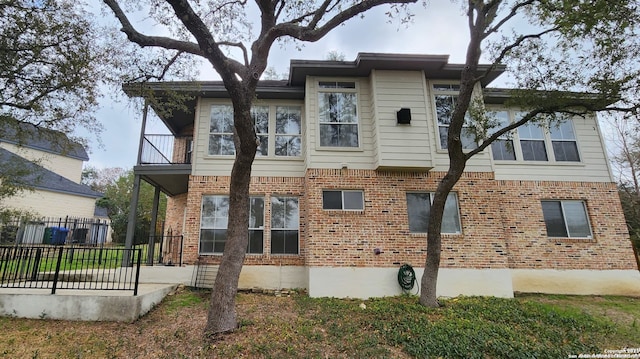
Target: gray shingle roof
(43,179)
(27,135)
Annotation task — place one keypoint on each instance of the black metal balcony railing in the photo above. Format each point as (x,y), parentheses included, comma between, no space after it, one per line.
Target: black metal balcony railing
(166,149)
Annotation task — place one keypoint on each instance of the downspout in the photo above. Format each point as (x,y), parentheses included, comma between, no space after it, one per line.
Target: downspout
(135,194)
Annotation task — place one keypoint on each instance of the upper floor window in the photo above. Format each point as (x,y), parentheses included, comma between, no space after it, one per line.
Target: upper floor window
(563,141)
(288,131)
(566,219)
(419,208)
(338,114)
(260,115)
(445,99)
(532,142)
(536,142)
(221,131)
(502,147)
(278,129)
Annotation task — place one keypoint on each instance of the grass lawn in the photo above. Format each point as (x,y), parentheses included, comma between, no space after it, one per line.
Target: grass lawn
(296,326)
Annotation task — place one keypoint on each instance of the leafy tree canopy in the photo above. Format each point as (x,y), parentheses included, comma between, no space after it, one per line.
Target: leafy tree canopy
(117,200)
(50,64)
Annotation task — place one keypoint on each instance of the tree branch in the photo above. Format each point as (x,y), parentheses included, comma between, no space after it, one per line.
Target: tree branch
(144,40)
(589,105)
(512,13)
(210,49)
(505,51)
(239,45)
(308,33)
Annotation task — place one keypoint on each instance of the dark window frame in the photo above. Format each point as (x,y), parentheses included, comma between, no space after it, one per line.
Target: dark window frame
(559,225)
(333,206)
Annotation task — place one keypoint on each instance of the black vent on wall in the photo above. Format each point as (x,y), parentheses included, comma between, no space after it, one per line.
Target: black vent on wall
(404,116)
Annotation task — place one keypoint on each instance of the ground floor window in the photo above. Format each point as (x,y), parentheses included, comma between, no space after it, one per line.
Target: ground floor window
(285,225)
(419,207)
(347,200)
(566,219)
(214,219)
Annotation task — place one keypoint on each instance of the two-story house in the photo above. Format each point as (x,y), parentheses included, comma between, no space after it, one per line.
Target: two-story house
(349,155)
(50,166)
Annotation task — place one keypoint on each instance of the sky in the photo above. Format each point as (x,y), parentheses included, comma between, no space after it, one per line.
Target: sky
(438,29)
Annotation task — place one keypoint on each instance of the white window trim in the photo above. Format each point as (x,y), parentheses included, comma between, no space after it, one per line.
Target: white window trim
(355,90)
(548,143)
(209,133)
(271,228)
(213,253)
(273,135)
(272,131)
(434,93)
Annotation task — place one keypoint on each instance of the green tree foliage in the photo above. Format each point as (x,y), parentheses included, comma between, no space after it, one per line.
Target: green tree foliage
(100,178)
(550,48)
(50,64)
(626,161)
(117,200)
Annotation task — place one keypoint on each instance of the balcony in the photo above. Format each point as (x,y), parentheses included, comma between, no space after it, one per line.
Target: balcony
(165,161)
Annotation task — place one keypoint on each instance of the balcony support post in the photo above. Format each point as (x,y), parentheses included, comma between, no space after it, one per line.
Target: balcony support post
(152,230)
(131,223)
(143,130)
(135,194)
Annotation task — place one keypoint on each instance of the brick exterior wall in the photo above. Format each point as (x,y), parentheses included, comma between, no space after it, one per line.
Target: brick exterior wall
(260,186)
(502,222)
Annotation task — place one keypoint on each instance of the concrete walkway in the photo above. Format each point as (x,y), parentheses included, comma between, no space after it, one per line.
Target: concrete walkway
(95,305)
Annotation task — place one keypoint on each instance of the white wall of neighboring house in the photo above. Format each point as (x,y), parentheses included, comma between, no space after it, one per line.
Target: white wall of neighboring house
(53,204)
(67,167)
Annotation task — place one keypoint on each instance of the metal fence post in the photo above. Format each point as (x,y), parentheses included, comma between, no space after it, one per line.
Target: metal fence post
(36,264)
(55,274)
(135,288)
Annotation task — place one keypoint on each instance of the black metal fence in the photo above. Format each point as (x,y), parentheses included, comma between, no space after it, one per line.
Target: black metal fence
(62,230)
(166,250)
(63,267)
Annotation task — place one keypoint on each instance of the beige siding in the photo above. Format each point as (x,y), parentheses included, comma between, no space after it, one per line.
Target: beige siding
(375,119)
(206,165)
(400,146)
(52,204)
(353,158)
(67,167)
(592,168)
(478,163)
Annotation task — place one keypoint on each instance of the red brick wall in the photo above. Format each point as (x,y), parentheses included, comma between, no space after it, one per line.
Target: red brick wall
(260,186)
(175,214)
(529,247)
(502,222)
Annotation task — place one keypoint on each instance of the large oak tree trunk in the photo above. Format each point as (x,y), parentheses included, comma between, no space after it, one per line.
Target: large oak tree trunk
(429,281)
(457,162)
(222,316)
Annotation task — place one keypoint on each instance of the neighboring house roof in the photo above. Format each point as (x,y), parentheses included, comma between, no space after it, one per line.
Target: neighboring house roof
(43,179)
(30,136)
